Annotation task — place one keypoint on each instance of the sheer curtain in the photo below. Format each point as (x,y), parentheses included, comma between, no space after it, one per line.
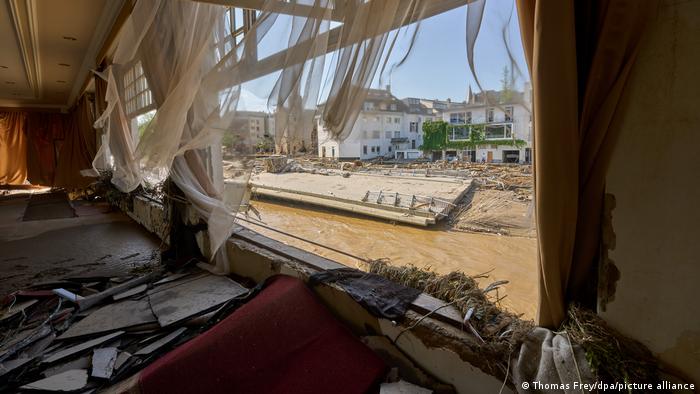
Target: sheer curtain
(195,73)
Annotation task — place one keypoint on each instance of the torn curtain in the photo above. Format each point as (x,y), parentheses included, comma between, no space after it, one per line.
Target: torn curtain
(13,148)
(580,55)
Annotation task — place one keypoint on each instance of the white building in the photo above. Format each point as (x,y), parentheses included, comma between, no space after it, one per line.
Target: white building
(506,122)
(386,127)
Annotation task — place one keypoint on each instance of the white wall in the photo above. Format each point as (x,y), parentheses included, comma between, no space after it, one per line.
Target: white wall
(655,178)
(363,133)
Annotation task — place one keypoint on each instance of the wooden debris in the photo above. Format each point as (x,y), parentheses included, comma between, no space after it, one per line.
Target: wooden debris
(190,298)
(136,290)
(161,342)
(67,381)
(97,298)
(80,347)
(83,362)
(103,362)
(121,359)
(111,317)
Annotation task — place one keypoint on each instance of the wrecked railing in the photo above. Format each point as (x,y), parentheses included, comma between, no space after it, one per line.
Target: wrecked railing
(412,202)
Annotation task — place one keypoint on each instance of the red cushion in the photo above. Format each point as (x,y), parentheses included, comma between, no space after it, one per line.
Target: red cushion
(282,341)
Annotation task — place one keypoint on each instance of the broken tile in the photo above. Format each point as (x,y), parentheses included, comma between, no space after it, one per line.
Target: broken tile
(72,380)
(80,347)
(187,298)
(118,316)
(103,361)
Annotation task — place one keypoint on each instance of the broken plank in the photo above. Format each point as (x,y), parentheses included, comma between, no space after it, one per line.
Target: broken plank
(136,290)
(80,347)
(111,317)
(180,301)
(72,380)
(97,298)
(103,362)
(161,342)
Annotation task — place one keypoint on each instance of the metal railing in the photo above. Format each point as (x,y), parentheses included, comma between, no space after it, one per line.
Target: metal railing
(412,202)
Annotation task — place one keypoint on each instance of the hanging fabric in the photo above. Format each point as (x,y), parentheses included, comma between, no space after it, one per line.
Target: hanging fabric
(13,148)
(580,55)
(78,148)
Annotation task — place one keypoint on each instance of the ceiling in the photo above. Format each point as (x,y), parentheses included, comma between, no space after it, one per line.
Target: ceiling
(47,48)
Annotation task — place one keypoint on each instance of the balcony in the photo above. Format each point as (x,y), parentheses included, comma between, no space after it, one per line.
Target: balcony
(492,131)
(398,140)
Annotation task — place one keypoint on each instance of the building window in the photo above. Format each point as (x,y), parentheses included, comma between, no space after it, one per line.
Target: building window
(364,149)
(388,119)
(397,134)
(379,149)
(413,144)
(393,107)
(489,115)
(457,118)
(387,134)
(368,106)
(469,118)
(137,95)
(397,120)
(389,149)
(509,114)
(413,127)
(333,151)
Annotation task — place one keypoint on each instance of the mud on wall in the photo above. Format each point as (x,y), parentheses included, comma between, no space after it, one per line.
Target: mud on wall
(655,179)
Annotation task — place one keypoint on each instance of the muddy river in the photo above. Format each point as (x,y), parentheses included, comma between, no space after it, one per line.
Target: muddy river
(508,258)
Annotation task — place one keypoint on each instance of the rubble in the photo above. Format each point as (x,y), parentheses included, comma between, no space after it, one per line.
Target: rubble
(66,340)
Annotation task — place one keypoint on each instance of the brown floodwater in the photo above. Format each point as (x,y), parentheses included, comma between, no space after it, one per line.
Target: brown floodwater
(507,258)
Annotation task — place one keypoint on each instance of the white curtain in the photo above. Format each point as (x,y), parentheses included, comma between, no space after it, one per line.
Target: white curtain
(195,70)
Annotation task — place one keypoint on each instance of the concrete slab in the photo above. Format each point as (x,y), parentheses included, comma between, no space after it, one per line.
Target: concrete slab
(351,193)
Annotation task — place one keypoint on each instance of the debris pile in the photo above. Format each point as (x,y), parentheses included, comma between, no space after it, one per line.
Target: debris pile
(86,333)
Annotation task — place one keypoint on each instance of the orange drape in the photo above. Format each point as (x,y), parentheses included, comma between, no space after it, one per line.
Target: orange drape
(580,55)
(13,148)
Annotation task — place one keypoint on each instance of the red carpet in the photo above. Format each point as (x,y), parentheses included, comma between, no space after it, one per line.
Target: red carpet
(282,341)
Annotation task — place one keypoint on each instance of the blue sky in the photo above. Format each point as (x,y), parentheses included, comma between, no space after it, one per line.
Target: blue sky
(437,64)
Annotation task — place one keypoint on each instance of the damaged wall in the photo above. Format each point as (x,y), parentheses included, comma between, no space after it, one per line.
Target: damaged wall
(653,177)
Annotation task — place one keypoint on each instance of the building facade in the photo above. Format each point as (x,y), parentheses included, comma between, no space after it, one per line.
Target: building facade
(505,124)
(386,127)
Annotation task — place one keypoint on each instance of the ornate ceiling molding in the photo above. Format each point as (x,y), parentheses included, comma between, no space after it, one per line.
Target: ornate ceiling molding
(24,18)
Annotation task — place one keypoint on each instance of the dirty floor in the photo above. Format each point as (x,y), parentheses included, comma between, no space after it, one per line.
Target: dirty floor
(95,242)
